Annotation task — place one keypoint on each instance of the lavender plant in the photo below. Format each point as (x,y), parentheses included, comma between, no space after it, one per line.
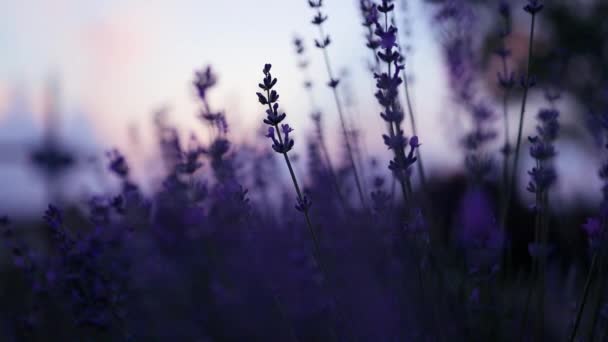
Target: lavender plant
(210,247)
(506,81)
(408,98)
(282,143)
(527,81)
(387,83)
(542,177)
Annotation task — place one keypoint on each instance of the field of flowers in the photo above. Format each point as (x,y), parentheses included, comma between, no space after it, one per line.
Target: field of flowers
(347,248)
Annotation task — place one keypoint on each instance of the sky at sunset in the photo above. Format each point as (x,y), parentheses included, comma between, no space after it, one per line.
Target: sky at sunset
(117,61)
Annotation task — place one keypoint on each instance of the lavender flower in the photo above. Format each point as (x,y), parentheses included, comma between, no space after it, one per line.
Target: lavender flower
(281,141)
(388,83)
(527,81)
(543,150)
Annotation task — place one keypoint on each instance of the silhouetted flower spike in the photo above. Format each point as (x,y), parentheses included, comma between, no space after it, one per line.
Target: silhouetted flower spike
(533,7)
(204,80)
(322,42)
(542,149)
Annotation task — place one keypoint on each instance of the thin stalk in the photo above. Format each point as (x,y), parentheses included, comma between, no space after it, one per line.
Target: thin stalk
(529,293)
(389,125)
(358,146)
(598,301)
(394,127)
(583,301)
(325,153)
(520,126)
(313,234)
(544,237)
(342,122)
(505,101)
(535,263)
(399,177)
(404,180)
(332,174)
(279,306)
(410,110)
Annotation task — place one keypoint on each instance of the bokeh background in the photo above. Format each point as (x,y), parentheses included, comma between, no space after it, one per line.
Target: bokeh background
(89,76)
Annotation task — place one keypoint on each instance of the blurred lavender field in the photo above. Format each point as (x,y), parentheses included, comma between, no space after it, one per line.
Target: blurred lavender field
(366,170)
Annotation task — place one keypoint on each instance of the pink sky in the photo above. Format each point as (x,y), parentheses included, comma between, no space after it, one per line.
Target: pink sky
(119,60)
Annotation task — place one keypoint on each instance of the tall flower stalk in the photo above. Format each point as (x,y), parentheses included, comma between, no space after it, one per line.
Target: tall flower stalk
(388,84)
(322,43)
(369,14)
(303,64)
(410,108)
(595,229)
(282,143)
(542,177)
(533,8)
(506,81)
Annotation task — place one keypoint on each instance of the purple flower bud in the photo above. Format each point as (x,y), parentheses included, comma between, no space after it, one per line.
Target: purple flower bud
(286,129)
(270,133)
(414,142)
(267,68)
